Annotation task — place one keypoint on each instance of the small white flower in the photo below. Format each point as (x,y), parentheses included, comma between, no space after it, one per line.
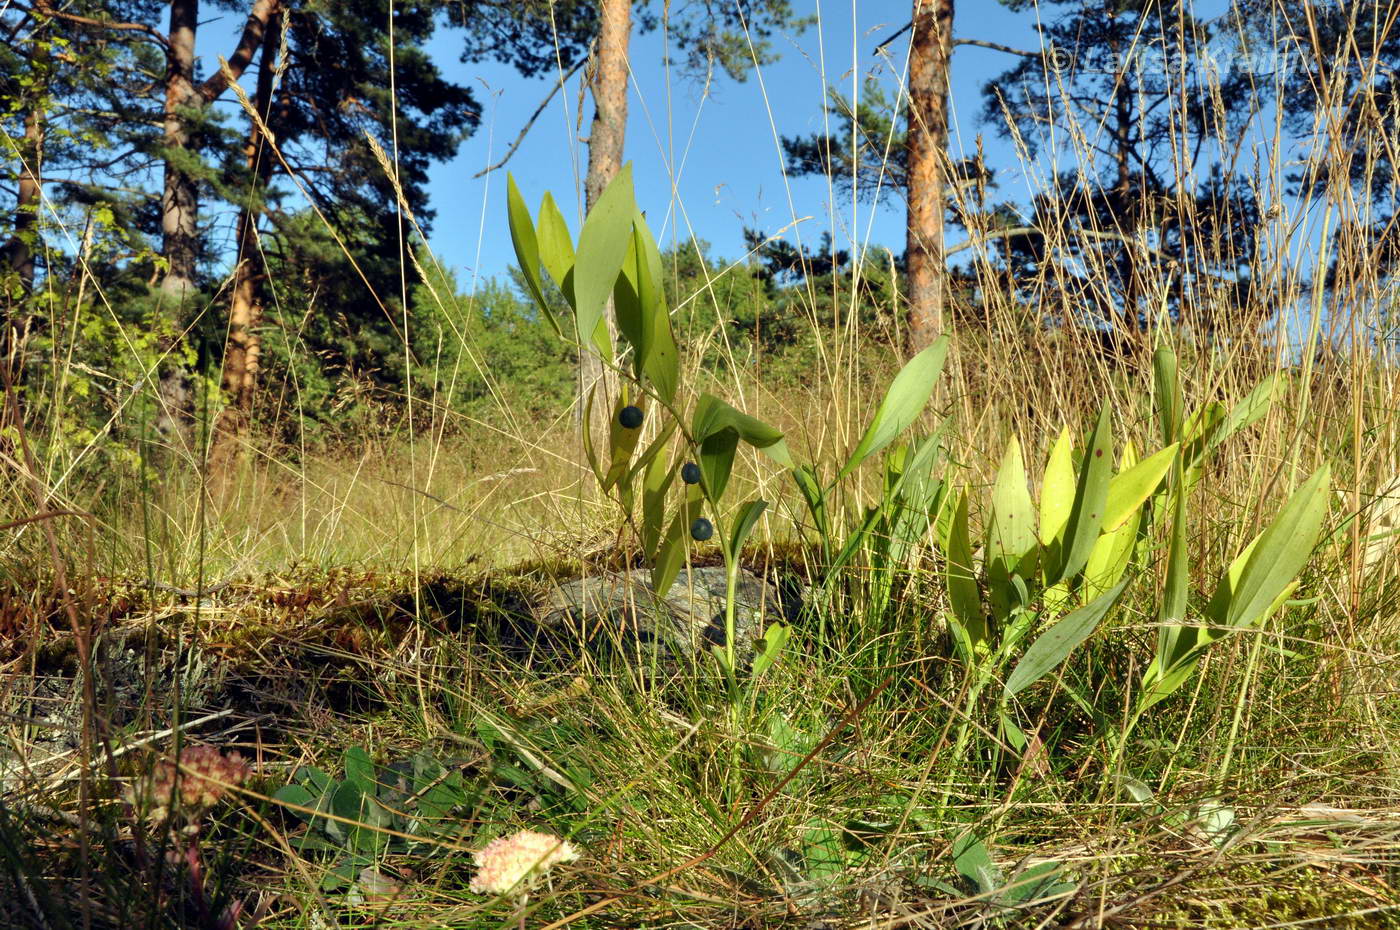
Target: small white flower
(515,864)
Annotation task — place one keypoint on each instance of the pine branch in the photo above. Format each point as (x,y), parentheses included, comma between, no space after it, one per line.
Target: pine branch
(531,121)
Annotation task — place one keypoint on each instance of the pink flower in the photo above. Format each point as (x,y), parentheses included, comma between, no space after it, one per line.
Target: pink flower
(515,864)
(199,781)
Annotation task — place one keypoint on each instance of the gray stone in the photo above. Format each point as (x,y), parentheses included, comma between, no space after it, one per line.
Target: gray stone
(618,610)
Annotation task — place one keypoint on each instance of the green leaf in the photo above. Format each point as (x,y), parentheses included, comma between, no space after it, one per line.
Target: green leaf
(1248,411)
(359,769)
(1159,687)
(622,443)
(1011,530)
(969,626)
(1057,490)
(823,852)
(906,397)
(806,479)
(1110,557)
(1167,387)
(1278,555)
(744,522)
(295,795)
(656,482)
(717,428)
(556,246)
(662,361)
(774,639)
(627,309)
(1132,486)
(1055,644)
(527,250)
(602,248)
(671,556)
(368,818)
(1112,552)
(1036,883)
(974,862)
(1090,498)
(1170,646)
(590,450)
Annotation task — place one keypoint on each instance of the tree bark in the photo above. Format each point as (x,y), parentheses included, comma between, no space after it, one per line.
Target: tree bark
(243,346)
(179,203)
(608,83)
(20,250)
(926,141)
(18,253)
(183,101)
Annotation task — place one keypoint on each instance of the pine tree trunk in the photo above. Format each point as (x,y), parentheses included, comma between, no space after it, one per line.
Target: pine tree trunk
(926,141)
(243,347)
(21,247)
(179,204)
(605,142)
(19,255)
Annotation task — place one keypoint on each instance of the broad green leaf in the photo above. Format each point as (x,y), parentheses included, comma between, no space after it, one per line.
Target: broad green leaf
(1167,387)
(717,452)
(297,796)
(806,479)
(671,556)
(1057,490)
(1114,549)
(556,246)
(1011,530)
(1134,484)
(969,625)
(713,415)
(359,769)
(655,483)
(717,428)
(1055,644)
(1013,734)
(974,862)
(627,309)
(655,449)
(527,249)
(590,450)
(1158,687)
(744,522)
(1246,412)
(662,361)
(1279,554)
(1090,499)
(1173,640)
(602,248)
(365,815)
(906,397)
(622,443)
(1035,884)
(1110,557)
(774,639)
(823,853)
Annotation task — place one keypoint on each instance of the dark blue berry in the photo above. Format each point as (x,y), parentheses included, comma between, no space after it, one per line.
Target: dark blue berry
(690,473)
(701,529)
(630,417)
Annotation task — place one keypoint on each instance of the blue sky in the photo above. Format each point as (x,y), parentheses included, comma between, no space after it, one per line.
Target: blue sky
(720,149)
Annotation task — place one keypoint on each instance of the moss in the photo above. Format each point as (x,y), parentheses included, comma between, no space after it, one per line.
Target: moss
(1255,895)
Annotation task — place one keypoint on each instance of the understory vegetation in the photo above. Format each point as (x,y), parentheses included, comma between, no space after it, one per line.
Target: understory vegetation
(1085,612)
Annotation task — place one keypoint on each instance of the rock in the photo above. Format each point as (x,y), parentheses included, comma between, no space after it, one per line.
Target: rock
(619,611)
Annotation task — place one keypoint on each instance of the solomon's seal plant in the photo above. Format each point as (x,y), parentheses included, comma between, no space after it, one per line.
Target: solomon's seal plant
(697,437)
